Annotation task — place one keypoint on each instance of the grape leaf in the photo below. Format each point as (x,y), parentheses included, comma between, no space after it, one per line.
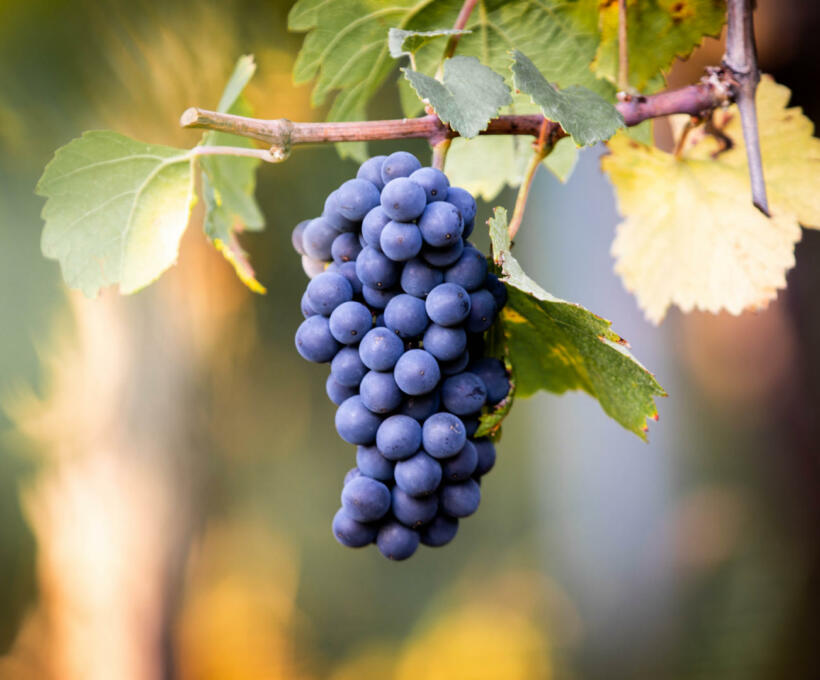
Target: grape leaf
(116,210)
(558,346)
(469,95)
(586,116)
(346,51)
(229,182)
(691,236)
(346,48)
(790,151)
(657,32)
(562,159)
(406,43)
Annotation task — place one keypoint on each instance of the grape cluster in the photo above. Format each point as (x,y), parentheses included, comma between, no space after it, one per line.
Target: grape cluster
(398,304)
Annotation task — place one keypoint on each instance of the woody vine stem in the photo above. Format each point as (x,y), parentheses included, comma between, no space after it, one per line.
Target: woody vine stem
(735,80)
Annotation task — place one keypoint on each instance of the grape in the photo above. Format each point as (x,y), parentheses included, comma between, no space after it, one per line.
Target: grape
(400,241)
(345,247)
(497,289)
(434,182)
(355,423)
(375,269)
(350,321)
(398,437)
(403,200)
(356,198)
(373,464)
(372,226)
(441,224)
(314,341)
(379,392)
(365,499)
(470,424)
(347,367)
(483,311)
(331,214)
(463,394)
(405,316)
(317,238)
(371,170)
(376,297)
(417,372)
(460,499)
(494,376)
(459,467)
(418,278)
(422,406)
(413,512)
(462,200)
(398,304)
(439,532)
(327,291)
(352,473)
(337,392)
(443,435)
(448,304)
(457,365)
(351,533)
(296,237)
(486,456)
(312,267)
(348,270)
(419,475)
(399,164)
(307,308)
(444,343)
(380,349)
(443,257)
(469,271)
(396,542)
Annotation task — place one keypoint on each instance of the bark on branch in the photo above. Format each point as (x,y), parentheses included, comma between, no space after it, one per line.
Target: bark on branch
(282,134)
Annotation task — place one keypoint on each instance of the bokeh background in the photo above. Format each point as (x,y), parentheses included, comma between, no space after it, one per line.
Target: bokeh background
(169,467)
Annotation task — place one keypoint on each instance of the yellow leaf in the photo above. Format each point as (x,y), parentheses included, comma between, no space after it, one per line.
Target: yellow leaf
(791,154)
(691,236)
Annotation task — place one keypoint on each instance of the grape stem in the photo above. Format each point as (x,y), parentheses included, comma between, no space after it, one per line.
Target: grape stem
(543,146)
(623,48)
(281,134)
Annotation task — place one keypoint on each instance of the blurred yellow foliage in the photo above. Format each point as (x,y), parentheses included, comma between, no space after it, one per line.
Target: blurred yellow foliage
(237,619)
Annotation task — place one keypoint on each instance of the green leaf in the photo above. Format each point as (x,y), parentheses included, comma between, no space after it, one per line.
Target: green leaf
(229,182)
(562,159)
(406,43)
(558,346)
(658,31)
(469,96)
(346,50)
(585,115)
(115,211)
(485,165)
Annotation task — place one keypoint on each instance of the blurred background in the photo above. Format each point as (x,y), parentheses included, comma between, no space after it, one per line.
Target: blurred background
(169,466)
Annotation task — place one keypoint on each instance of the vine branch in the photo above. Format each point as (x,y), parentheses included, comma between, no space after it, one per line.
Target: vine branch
(741,60)
(281,134)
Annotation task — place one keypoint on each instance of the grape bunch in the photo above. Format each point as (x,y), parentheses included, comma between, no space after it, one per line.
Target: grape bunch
(398,304)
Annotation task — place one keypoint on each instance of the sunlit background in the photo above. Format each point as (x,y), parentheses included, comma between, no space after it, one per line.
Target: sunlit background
(169,466)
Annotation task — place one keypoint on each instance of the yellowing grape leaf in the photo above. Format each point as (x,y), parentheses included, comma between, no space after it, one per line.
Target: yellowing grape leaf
(229,182)
(658,31)
(557,346)
(691,236)
(791,154)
